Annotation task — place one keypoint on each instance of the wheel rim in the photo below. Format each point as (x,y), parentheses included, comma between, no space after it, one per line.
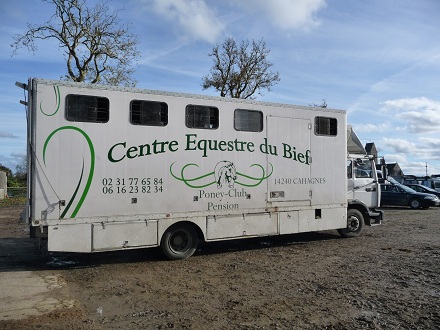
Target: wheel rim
(415,203)
(180,241)
(353,223)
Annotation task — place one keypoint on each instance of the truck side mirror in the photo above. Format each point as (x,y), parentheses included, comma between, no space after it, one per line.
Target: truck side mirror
(383,168)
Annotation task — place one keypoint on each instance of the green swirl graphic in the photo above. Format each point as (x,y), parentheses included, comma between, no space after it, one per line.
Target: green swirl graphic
(259,180)
(58,102)
(69,204)
(187,181)
(90,177)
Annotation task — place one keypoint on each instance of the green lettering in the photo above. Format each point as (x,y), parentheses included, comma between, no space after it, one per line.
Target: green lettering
(222,145)
(130,151)
(173,146)
(110,152)
(201,145)
(141,150)
(159,146)
(212,144)
(287,153)
(189,141)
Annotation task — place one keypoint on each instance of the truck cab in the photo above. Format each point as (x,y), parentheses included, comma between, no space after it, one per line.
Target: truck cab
(363,186)
(362,181)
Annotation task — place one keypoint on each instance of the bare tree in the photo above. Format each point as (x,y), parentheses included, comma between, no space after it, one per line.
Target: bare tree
(98,48)
(240,71)
(21,172)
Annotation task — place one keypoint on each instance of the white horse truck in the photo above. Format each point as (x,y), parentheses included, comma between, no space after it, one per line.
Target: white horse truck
(113,168)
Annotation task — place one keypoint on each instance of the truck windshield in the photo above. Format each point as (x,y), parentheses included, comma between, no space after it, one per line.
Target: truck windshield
(363,169)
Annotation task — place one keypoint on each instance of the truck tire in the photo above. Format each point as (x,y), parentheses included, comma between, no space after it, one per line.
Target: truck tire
(355,224)
(415,203)
(179,241)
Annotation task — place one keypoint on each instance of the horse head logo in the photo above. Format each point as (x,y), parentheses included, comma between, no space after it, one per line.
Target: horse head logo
(225,173)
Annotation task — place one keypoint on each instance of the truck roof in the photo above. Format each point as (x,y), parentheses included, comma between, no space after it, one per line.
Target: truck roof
(179,94)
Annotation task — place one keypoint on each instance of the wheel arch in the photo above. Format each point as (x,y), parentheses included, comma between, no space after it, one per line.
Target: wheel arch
(361,207)
(196,223)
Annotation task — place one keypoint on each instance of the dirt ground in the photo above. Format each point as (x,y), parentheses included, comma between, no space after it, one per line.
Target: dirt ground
(389,278)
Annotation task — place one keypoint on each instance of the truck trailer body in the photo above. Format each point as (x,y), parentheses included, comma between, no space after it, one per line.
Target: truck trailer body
(113,168)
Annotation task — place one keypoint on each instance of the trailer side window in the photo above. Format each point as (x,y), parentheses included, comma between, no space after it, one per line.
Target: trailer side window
(87,108)
(248,120)
(200,116)
(148,113)
(326,126)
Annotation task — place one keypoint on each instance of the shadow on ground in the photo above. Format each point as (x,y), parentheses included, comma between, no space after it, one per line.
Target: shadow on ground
(30,254)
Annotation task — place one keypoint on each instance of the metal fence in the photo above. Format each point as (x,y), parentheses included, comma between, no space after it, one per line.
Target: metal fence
(13,192)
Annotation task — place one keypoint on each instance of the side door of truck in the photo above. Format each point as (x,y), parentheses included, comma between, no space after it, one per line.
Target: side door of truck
(363,184)
(288,157)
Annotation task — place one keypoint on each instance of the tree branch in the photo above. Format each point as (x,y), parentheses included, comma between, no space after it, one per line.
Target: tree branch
(97,47)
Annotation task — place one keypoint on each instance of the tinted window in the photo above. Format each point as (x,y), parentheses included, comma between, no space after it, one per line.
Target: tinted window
(326,126)
(200,116)
(87,108)
(248,120)
(148,113)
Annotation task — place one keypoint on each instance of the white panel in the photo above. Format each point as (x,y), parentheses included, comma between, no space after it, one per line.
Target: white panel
(124,235)
(289,222)
(70,238)
(224,227)
(307,221)
(333,218)
(261,224)
(329,166)
(239,226)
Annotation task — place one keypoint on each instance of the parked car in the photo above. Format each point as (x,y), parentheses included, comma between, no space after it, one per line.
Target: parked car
(423,189)
(400,195)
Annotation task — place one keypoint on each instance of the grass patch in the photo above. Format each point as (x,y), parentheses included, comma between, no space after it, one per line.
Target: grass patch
(12,201)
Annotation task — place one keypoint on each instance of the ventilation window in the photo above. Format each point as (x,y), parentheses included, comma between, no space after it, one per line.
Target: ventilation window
(200,116)
(87,108)
(248,120)
(326,126)
(148,113)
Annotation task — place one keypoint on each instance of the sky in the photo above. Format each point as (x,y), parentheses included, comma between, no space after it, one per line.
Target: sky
(377,59)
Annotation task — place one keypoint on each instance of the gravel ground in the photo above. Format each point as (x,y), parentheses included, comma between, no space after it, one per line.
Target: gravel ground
(388,278)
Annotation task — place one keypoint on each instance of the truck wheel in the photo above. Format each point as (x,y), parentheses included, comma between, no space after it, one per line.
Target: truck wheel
(179,241)
(415,203)
(355,224)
